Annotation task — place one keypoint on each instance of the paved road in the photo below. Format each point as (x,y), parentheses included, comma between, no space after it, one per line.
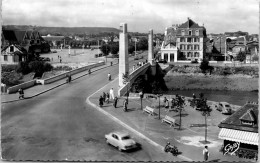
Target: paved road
(59,125)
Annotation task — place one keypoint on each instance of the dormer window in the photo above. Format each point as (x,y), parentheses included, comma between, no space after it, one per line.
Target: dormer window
(190,32)
(197,32)
(182,33)
(11,48)
(248,118)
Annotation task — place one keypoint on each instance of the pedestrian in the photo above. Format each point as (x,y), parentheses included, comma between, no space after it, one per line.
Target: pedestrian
(109,76)
(60,60)
(104,96)
(112,94)
(172,103)
(115,101)
(107,99)
(205,153)
(21,93)
(100,101)
(125,105)
(166,104)
(194,96)
(111,63)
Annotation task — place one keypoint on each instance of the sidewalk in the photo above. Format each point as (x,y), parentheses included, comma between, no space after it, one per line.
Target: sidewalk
(187,140)
(40,89)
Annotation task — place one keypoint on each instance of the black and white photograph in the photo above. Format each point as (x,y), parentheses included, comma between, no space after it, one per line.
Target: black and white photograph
(129,80)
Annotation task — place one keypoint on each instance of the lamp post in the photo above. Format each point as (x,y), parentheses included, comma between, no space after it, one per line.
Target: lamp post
(141,98)
(159,95)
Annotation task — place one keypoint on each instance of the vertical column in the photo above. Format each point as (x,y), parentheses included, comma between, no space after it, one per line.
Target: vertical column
(123,53)
(150,47)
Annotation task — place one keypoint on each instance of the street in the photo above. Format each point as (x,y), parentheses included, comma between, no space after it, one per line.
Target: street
(59,125)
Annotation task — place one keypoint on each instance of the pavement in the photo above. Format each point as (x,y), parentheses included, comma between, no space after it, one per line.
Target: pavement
(188,140)
(40,89)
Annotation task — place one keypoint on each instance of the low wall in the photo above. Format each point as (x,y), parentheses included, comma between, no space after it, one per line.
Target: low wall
(25,85)
(72,72)
(122,91)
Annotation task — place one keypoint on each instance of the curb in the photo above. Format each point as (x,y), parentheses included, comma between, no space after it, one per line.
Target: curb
(37,94)
(128,127)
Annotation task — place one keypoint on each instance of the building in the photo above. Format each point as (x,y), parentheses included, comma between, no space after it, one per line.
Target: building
(239,132)
(19,40)
(13,54)
(54,41)
(184,42)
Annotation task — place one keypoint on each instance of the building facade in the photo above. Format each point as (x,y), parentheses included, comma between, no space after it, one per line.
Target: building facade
(239,132)
(13,54)
(184,42)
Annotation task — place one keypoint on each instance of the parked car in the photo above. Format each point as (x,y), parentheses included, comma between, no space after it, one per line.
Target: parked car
(45,59)
(54,51)
(225,108)
(120,140)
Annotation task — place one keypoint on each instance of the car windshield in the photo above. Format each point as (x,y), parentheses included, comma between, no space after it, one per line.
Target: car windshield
(125,137)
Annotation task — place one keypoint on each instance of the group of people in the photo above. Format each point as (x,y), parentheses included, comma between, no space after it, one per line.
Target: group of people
(59,57)
(173,101)
(106,97)
(139,64)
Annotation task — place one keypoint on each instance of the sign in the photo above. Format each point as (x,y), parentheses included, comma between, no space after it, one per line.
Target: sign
(230,147)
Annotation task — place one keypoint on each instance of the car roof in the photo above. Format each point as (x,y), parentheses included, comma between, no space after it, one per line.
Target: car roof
(121,133)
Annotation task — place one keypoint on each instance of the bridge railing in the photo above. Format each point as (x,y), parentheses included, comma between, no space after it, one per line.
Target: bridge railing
(122,91)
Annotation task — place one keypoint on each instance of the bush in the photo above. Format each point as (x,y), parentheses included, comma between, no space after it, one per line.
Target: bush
(11,78)
(9,68)
(62,68)
(23,67)
(47,67)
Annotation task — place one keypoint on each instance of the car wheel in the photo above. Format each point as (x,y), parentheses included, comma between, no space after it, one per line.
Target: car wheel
(119,149)
(107,141)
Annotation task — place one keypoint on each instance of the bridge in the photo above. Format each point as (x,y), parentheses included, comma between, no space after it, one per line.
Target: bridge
(124,63)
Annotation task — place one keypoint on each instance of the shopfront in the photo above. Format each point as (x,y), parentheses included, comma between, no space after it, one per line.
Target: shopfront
(239,133)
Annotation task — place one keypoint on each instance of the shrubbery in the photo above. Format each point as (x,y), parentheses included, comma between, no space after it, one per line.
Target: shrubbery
(11,78)
(9,68)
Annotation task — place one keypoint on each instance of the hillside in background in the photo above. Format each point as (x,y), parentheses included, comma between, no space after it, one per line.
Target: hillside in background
(65,31)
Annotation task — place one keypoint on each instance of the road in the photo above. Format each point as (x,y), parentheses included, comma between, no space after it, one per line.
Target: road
(59,125)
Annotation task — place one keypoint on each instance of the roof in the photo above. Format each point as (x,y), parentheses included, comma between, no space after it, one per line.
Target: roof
(190,24)
(239,136)
(233,121)
(20,48)
(9,35)
(121,133)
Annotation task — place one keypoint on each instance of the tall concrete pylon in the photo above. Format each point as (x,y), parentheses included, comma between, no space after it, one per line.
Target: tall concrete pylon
(151,53)
(150,47)
(123,53)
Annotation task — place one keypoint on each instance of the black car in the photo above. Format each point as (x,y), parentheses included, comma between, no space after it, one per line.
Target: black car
(45,59)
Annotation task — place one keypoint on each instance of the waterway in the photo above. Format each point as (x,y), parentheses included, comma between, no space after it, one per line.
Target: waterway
(233,97)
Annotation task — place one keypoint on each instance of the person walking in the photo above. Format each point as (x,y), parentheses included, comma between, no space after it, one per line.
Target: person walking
(107,99)
(104,96)
(21,93)
(109,76)
(112,94)
(125,105)
(205,153)
(100,101)
(115,101)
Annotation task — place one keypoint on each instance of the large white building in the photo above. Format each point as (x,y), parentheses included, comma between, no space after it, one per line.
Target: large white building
(187,39)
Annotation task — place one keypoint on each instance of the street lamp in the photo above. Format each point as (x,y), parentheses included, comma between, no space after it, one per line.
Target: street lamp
(141,98)
(159,95)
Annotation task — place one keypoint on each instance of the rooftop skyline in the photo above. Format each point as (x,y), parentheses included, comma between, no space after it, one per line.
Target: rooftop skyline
(140,15)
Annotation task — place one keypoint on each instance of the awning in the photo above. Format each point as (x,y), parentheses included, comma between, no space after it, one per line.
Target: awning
(239,136)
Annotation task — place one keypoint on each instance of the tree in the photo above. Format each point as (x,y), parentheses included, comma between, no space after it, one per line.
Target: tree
(205,112)
(181,56)
(241,56)
(131,48)
(142,44)
(204,66)
(105,49)
(114,48)
(180,101)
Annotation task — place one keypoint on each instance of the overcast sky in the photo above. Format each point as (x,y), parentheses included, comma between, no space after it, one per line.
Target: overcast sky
(218,16)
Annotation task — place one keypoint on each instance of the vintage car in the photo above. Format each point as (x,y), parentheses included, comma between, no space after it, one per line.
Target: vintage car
(225,108)
(121,140)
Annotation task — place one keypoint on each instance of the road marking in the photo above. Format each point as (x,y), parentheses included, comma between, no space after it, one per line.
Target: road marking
(128,127)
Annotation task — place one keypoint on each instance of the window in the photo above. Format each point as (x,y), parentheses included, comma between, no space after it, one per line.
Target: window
(38,41)
(189,47)
(5,58)
(190,33)
(188,39)
(32,41)
(182,39)
(11,48)
(182,47)
(197,32)
(189,54)
(182,33)
(196,47)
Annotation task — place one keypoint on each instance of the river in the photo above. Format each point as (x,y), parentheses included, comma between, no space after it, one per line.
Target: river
(232,97)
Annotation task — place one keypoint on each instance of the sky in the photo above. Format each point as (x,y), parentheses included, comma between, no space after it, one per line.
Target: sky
(218,16)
